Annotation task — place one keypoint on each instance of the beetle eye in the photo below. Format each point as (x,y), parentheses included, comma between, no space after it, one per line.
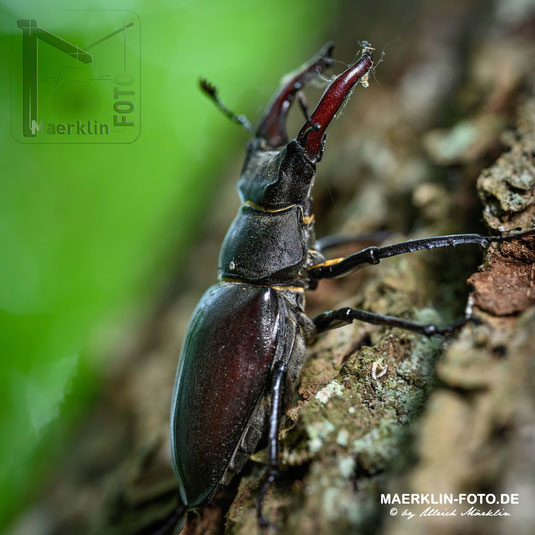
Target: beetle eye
(304,170)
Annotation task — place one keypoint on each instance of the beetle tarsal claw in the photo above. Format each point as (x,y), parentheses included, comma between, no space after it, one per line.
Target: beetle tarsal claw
(270,481)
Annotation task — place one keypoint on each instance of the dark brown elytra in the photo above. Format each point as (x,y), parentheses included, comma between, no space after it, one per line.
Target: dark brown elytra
(246,343)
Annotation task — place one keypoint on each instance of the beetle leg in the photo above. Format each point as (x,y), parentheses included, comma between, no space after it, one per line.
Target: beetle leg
(344,316)
(211,91)
(273,441)
(272,125)
(372,255)
(335,240)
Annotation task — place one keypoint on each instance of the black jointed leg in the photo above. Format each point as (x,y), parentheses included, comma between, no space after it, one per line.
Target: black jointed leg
(273,445)
(169,523)
(372,255)
(344,316)
(211,91)
(335,240)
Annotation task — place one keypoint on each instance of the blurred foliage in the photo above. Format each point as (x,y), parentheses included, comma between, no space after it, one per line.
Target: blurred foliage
(88,233)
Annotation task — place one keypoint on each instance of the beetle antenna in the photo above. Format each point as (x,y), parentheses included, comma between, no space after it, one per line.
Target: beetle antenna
(211,91)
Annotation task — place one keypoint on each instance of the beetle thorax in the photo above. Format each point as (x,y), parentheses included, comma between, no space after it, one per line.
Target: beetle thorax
(269,239)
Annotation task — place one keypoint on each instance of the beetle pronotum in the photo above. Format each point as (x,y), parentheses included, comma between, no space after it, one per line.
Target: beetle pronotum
(245,346)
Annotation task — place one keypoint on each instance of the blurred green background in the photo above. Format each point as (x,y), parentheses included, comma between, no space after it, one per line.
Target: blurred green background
(90,232)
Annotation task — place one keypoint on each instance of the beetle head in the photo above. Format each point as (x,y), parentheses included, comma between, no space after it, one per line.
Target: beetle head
(274,178)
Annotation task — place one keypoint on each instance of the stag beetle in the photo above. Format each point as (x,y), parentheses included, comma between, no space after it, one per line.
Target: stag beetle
(245,345)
